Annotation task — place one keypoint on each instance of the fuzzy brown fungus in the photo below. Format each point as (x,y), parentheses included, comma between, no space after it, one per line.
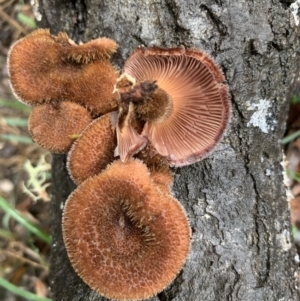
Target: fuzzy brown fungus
(94,50)
(54,126)
(93,87)
(188,112)
(158,167)
(45,68)
(125,240)
(93,151)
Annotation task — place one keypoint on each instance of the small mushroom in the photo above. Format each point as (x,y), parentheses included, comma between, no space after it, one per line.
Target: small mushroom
(55,126)
(93,150)
(124,238)
(44,68)
(181,96)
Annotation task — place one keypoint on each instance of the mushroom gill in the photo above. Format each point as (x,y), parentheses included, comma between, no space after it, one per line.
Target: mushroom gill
(188,129)
(93,150)
(55,126)
(125,239)
(44,68)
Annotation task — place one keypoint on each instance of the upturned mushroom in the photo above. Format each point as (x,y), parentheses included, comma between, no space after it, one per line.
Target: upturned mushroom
(125,240)
(45,68)
(56,126)
(180,96)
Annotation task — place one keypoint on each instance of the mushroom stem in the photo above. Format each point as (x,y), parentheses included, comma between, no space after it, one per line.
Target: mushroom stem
(129,140)
(151,102)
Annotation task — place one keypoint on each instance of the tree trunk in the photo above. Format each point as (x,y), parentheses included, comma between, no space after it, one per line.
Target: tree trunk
(235,199)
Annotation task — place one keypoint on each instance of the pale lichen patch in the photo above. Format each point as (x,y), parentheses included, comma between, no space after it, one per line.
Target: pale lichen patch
(259,118)
(285,240)
(294,9)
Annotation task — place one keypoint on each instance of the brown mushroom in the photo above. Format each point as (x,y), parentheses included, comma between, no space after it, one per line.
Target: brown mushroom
(45,68)
(187,113)
(93,86)
(125,239)
(93,150)
(55,126)
(158,167)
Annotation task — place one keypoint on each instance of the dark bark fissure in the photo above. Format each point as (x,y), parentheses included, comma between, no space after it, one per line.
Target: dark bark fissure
(80,15)
(235,198)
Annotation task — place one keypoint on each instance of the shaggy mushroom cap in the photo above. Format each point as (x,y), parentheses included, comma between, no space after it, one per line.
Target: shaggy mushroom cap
(195,108)
(45,68)
(93,150)
(93,86)
(54,126)
(125,239)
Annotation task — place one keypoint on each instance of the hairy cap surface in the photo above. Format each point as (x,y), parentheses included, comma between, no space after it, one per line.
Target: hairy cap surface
(124,239)
(93,150)
(44,68)
(55,126)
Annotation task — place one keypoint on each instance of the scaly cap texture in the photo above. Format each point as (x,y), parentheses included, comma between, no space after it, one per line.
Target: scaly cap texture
(158,167)
(93,150)
(124,238)
(54,126)
(44,68)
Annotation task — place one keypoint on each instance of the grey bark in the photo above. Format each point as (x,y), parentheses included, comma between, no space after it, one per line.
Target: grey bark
(235,199)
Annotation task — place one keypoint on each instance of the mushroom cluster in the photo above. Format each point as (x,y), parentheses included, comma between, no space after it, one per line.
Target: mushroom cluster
(67,84)
(125,234)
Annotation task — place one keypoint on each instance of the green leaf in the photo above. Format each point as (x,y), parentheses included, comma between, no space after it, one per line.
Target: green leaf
(7,234)
(15,104)
(290,138)
(7,208)
(295,99)
(26,20)
(22,122)
(294,231)
(16,138)
(21,292)
(293,175)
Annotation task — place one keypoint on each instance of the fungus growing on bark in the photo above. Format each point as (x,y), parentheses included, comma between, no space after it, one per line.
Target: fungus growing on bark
(45,68)
(125,239)
(54,126)
(93,150)
(181,97)
(158,167)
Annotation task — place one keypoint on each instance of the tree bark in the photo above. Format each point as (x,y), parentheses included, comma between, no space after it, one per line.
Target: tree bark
(235,199)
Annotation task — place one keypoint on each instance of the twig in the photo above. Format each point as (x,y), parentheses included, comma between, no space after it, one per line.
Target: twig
(7,4)
(23,259)
(14,23)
